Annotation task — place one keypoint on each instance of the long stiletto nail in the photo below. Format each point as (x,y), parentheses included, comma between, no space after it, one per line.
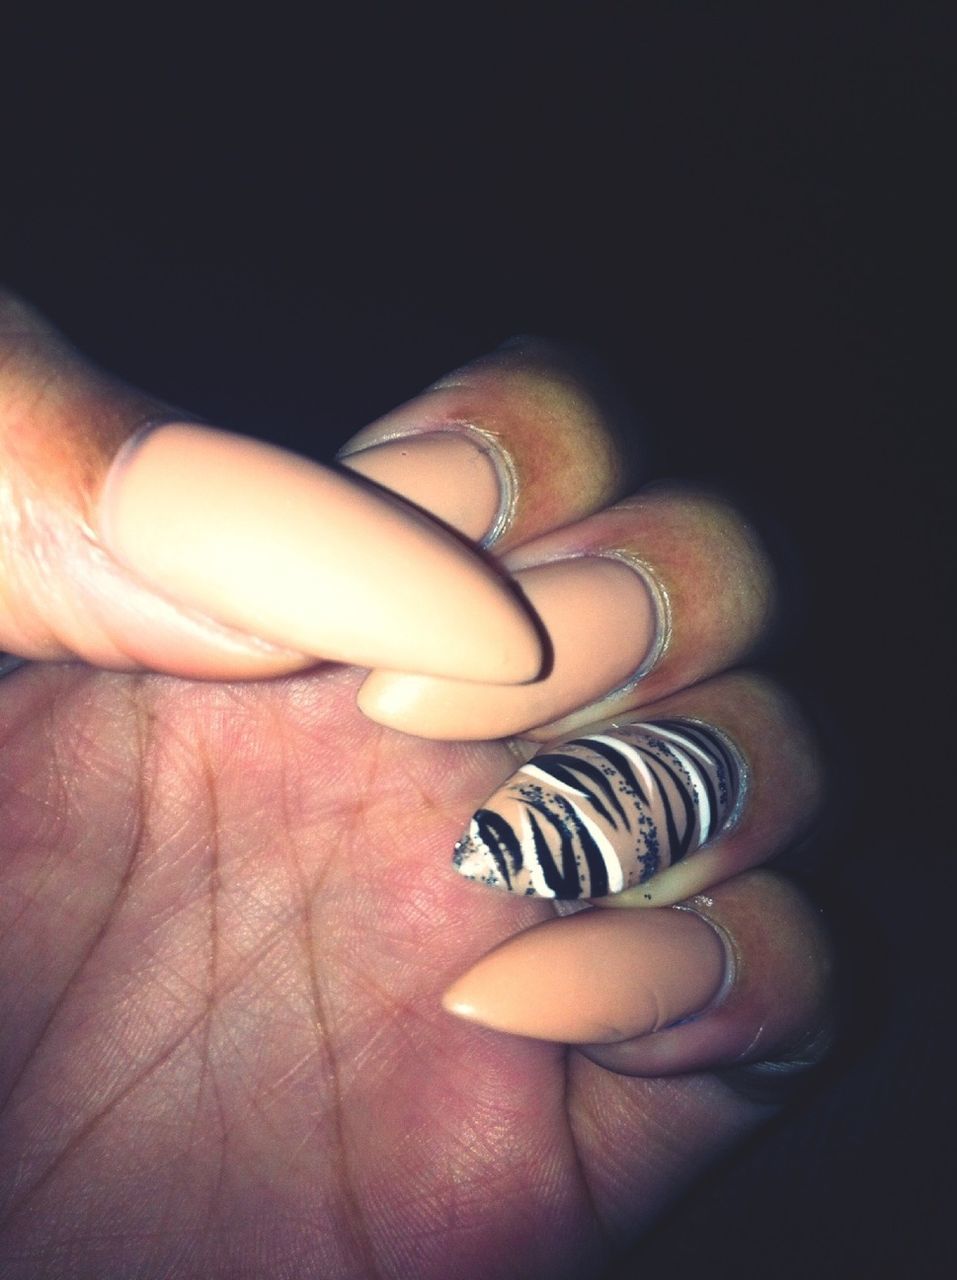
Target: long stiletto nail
(598,977)
(309,558)
(603,812)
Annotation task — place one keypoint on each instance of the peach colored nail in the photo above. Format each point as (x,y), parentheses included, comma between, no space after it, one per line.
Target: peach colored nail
(596,977)
(447,473)
(305,557)
(603,626)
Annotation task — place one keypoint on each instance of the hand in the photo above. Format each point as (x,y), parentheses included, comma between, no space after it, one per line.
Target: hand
(228,912)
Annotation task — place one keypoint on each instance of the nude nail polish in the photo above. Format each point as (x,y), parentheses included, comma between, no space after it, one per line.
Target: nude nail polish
(309,558)
(601,813)
(604,622)
(453,475)
(597,977)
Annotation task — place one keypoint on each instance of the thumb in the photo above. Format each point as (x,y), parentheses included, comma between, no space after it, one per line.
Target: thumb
(132,537)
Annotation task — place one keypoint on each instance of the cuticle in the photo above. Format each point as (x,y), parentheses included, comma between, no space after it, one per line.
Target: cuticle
(91,522)
(136,437)
(661,603)
(620,724)
(732,966)
(504,467)
(489,444)
(744,775)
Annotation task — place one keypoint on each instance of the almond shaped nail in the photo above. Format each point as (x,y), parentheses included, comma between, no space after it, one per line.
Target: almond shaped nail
(597,977)
(600,813)
(308,558)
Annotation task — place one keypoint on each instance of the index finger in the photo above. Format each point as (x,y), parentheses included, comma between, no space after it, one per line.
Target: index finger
(130,537)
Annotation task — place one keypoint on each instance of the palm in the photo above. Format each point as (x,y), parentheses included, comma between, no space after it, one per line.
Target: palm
(227,916)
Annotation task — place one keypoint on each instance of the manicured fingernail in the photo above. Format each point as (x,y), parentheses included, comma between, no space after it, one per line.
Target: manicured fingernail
(452,475)
(601,813)
(604,623)
(597,977)
(306,557)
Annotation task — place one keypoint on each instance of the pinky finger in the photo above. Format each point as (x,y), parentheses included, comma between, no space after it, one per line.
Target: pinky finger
(738,978)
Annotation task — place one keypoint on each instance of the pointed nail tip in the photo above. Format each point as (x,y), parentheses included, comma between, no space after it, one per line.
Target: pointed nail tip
(392,704)
(486,878)
(454,1002)
(375,708)
(460,1006)
(484,872)
(480,867)
(524,666)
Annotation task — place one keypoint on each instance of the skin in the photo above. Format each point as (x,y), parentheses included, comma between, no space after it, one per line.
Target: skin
(231,1048)
(226,921)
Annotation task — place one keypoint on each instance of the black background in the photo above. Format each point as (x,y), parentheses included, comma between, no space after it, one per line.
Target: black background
(290,226)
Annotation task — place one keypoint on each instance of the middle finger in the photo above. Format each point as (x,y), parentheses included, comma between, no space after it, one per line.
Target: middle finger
(638,601)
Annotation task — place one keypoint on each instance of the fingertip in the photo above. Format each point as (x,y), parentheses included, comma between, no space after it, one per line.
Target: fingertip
(594,977)
(739,977)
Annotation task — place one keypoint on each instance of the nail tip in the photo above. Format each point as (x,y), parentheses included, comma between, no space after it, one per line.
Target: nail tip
(473,860)
(458,1003)
(455,1004)
(598,978)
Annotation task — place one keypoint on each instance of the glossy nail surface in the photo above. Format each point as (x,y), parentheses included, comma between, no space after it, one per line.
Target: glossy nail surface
(597,977)
(601,813)
(603,624)
(303,556)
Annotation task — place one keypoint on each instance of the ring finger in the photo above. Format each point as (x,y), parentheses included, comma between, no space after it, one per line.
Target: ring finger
(652,808)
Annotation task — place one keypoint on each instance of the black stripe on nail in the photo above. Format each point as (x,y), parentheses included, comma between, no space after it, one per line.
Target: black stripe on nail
(715,746)
(498,837)
(564,883)
(703,775)
(618,761)
(564,766)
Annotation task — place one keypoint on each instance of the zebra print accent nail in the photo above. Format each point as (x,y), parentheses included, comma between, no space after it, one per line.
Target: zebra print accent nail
(604,812)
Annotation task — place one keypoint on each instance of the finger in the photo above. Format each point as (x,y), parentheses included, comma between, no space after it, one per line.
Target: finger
(741,976)
(644,1139)
(518,442)
(646,1119)
(637,601)
(705,784)
(738,984)
(131,538)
